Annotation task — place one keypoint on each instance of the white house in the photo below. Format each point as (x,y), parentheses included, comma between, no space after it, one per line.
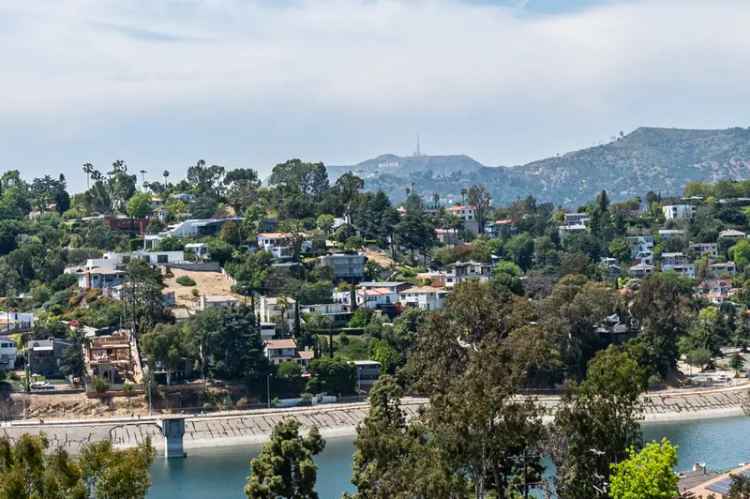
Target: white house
(705,249)
(678,211)
(8,352)
(677,262)
(463,271)
(576,219)
(667,234)
(199,250)
(731,234)
(423,297)
(272,309)
(109,271)
(285,350)
(467,214)
(11,322)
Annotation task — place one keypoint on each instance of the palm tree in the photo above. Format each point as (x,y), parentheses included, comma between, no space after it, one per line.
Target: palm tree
(88,169)
(463,196)
(143,176)
(165,174)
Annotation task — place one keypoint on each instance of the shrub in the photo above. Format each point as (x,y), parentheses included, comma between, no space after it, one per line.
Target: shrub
(184,280)
(100,385)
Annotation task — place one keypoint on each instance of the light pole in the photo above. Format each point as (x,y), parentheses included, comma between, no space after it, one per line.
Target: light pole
(147,375)
(268,389)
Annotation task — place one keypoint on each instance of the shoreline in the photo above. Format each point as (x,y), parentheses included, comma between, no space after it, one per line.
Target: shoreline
(334,421)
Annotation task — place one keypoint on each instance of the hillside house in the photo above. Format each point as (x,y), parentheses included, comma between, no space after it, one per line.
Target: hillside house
(194,227)
(345,266)
(677,262)
(717,290)
(285,350)
(719,269)
(12,322)
(423,297)
(667,234)
(45,356)
(573,219)
(8,352)
(448,237)
(463,271)
(678,211)
(368,372)
(641,270)
(705,249)
(732,234)
(500,228)
(113,357)
(274,309)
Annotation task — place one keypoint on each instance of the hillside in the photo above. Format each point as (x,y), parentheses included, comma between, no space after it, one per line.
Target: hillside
(658,159)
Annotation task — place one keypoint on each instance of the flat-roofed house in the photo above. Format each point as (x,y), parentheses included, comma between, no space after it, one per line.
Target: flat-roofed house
(423,297)
(8,352)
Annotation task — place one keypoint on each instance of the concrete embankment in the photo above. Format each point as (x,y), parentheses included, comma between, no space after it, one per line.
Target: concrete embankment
(334,420)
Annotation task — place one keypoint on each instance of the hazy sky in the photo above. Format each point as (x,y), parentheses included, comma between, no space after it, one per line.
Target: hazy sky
(250,83)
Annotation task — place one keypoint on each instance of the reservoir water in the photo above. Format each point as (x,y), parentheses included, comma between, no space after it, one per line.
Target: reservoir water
(220,473)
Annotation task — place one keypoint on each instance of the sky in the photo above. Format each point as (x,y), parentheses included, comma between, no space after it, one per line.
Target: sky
(252,83)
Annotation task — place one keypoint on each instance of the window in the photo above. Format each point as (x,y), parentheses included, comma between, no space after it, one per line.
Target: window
(162,258)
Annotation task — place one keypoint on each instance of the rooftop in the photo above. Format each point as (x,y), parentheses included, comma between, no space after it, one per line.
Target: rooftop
(279,344)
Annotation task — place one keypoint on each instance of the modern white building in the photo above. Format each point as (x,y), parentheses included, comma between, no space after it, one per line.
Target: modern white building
(272,309)
(678,211)
(576,219)
(8,351)
(109,271)
(423,297)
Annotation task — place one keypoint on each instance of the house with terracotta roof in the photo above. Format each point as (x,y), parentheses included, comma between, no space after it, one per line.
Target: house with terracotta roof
(285,350)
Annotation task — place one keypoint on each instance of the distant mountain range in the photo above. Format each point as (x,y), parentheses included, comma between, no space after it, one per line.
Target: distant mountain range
(648,159)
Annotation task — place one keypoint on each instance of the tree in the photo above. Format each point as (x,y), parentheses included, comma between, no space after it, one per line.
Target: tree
(333,376)
(396,459)
(241,188)
(139,205)
(648,473)
(663,307)
(739,487)
(740,253)
(229,344)
(144,303)
(30,470)
(88,169)
(479,199)
(471,359)
(737,362)
(165,174)
(347,188)
(168,345)
(285,467)
(597,422)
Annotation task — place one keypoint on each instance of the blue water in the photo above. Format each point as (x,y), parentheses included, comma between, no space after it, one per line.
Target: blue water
(220,473)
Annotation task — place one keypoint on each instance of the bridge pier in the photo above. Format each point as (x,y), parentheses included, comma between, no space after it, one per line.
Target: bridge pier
(173,430)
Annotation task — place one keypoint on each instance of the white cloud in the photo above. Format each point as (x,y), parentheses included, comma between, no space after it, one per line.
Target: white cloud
(341,79)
